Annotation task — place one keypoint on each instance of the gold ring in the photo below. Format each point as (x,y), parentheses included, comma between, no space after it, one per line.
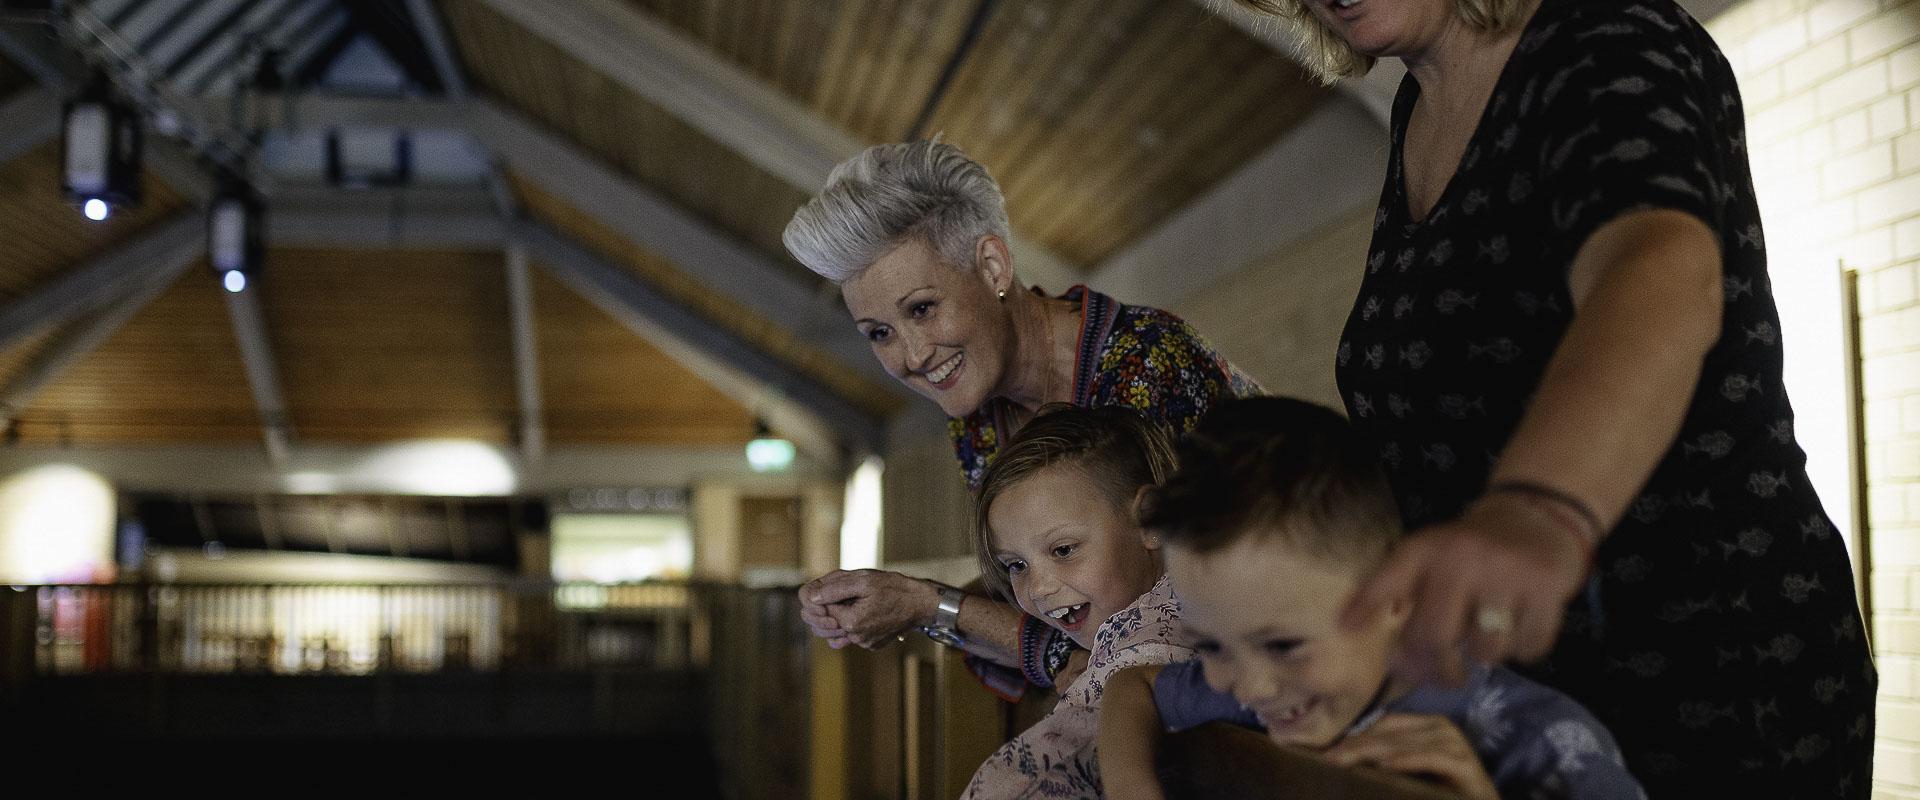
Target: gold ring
(1493,619)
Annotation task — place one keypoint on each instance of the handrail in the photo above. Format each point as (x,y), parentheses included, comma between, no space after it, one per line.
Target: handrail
(1222,760)
(347,628)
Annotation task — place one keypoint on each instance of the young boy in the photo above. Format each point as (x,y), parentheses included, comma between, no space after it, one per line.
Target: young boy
(1268,525)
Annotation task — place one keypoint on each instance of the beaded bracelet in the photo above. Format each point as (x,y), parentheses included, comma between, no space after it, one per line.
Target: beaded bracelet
(1594,532)
(1059,649)
(1034,638)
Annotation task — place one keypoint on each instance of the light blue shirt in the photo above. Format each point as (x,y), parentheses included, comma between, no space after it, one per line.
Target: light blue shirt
(1536,743)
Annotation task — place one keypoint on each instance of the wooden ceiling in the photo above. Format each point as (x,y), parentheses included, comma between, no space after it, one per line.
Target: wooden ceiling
(599,382)
(1099,117)
(370,346)
(625,131)
(722,311)
(43,234)
(376,346)
(171,375)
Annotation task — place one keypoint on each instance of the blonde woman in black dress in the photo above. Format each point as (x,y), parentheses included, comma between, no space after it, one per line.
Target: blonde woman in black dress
(1566,350)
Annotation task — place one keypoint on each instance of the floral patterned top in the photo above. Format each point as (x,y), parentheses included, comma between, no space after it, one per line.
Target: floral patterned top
(1128,355)
(1056,757)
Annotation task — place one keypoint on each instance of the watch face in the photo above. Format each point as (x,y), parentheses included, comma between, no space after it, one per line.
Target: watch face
(944,636)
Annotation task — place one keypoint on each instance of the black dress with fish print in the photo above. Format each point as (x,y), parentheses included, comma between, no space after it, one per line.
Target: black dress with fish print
(1720,640)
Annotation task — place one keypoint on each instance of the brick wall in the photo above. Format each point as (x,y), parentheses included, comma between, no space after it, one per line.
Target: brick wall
(1832,90)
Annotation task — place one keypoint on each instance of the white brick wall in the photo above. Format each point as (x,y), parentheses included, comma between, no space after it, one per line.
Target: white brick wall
(1833,102)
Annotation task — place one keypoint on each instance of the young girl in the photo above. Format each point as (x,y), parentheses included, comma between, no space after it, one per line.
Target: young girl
(1055,530)
(1274,516)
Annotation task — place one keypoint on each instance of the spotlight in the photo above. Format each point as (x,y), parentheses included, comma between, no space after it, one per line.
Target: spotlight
(767,453)
(235,246)
(100,150)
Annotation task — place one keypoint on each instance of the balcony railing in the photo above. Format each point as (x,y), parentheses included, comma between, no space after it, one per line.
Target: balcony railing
(288,629)
(510,661)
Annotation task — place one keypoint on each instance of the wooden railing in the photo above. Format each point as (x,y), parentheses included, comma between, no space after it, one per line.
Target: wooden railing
(1221,760)
(906,721)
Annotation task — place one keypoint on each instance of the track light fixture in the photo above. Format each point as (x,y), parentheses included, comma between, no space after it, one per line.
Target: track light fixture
(100,150)
(236,243)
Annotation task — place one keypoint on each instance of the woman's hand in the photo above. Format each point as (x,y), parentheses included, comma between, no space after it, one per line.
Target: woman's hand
(1418,744)
(866,607)
(1497,580)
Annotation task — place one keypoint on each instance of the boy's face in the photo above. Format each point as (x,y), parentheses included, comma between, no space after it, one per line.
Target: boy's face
(1074,557)
(1264,618)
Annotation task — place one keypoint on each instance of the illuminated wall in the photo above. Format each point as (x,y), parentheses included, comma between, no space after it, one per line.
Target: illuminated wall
(1832,92)
(56,526)
(616,548)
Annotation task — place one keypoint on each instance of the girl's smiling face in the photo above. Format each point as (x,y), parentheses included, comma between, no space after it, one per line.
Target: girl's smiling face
(1073,555)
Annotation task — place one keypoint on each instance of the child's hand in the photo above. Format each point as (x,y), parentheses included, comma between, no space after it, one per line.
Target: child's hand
(1070,671)
(1418,744)
(1129,736)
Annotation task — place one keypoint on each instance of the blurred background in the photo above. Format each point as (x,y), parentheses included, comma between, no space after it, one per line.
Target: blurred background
(432,369)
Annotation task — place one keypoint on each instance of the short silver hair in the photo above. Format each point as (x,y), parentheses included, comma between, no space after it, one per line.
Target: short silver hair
(878,199)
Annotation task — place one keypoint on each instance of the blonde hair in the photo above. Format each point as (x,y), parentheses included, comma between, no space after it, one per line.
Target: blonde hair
(1328,56)
(1115,446)
(888,193)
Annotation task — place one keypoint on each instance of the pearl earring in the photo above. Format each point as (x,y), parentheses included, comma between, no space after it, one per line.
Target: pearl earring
(1003,294)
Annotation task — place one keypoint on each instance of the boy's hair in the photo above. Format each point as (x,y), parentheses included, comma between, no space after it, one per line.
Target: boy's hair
(1277,467)
(1114,446)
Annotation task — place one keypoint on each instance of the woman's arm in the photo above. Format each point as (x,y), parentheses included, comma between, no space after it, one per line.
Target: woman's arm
(1648,293)
(1129,736)
(870,607)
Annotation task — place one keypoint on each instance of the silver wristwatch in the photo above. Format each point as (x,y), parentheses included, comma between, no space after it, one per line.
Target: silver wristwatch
(946,621)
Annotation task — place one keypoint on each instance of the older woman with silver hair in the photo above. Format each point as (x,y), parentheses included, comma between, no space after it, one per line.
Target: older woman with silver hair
(915,234)
(1566,351)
